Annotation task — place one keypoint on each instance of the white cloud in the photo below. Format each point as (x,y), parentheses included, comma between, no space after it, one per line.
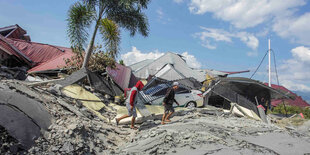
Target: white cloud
(245,13)
(249,39)
(215,34)
(281,15)
(209,34)
(291,85)
(295,28)
(206,43)
(160,13)
(263,32)
(294,73)
(252,54)
(136,55)
(161,17)
(191,60)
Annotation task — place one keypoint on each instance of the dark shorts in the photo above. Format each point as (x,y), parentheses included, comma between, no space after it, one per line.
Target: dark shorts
(169,108)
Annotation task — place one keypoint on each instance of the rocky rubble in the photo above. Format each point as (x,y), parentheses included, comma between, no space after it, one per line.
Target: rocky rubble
(13,73)
(82,133)
(8,144)
(76,130)
(198,133)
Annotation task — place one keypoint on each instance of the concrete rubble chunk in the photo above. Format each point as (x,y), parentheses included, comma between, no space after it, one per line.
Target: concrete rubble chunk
(69,107)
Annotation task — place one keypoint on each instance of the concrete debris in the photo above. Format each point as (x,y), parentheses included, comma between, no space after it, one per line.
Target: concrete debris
(210,134)
(18,73)
(76,129)
(9,145)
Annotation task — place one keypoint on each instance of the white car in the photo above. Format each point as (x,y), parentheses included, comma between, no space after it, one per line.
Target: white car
(185,97)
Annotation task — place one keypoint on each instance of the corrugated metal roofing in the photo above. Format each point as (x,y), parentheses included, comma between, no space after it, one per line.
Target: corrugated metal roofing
(46,57)
(7,30)
(169,73)
(43,56)
(138,65)
(297,102)
(12,50)
(174,60)
(14,31)
(122,76)
(55,63)
(213,73)
(37,52)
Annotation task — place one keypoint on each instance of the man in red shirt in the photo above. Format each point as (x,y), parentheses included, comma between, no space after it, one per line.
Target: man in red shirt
(130,104)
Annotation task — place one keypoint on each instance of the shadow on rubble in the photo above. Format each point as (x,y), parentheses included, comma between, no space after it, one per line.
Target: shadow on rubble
(23,118)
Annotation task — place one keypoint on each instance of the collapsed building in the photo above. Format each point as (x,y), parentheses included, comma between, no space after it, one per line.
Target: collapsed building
(170,66)
(241,95)
(17,51)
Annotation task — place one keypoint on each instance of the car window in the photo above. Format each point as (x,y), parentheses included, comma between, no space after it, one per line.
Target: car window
(182,90)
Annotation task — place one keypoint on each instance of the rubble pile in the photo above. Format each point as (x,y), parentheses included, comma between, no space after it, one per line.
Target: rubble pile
(13,73)
(8,144)
(198,133)
(74,128)
(79,136)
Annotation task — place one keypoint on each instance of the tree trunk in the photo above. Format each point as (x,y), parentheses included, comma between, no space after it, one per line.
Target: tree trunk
(90,46)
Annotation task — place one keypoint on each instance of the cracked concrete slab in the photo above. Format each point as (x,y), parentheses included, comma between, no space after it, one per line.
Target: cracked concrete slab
(19,126)
(33,109)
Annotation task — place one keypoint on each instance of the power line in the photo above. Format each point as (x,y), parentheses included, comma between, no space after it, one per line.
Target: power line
(275,66)
(259,64)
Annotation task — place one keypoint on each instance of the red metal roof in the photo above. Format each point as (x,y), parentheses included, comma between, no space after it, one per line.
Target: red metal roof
(55,63)
(37,52)
(7,30)
(42,56)
(297,102)
(14,31)
(122,76)
(236,72)
(12,50)
(46,57)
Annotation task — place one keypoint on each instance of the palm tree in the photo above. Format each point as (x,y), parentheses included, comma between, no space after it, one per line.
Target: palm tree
(108,16)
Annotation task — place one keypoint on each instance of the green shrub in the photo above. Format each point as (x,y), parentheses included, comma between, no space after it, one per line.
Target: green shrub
(291,110)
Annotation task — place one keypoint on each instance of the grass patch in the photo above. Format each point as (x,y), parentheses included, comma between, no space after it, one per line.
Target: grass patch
(292,110)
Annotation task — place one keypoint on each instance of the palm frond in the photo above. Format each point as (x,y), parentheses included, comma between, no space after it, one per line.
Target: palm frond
(132,20)
(111,36)
(127,15)
(79,20)
(91,3)
(138,4)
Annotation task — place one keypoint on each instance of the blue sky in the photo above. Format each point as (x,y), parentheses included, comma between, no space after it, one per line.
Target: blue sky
(214,34)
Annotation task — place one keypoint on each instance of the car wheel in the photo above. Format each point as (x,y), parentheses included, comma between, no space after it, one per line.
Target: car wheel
(191,104)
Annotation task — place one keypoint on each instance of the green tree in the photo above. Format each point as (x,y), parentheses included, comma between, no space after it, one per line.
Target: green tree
(122,62)
(107,16)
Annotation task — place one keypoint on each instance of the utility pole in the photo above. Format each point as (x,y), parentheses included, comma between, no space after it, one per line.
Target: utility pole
(269,70)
